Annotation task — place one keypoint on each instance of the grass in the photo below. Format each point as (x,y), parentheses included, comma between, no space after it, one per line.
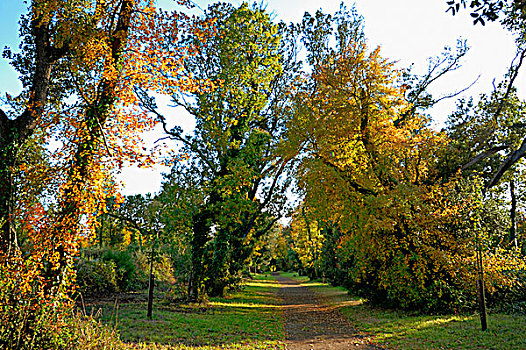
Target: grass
(249,319)
(401,330)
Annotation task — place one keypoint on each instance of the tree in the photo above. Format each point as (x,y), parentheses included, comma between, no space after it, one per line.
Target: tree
(80,64)
(106,51)
(307,238)
(233,148)
(513,17)
(44,44)
(368,176)
(478,139)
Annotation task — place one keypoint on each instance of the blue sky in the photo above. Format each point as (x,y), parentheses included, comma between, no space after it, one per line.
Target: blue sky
(10,11)
(408,31)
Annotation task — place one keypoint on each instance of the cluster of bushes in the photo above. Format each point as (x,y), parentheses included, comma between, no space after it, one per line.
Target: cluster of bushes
(34,317)
(54,327)
(101,272)
(105,271)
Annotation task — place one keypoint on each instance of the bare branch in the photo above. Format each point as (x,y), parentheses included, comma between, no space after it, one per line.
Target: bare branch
(274,183)
(513,158)
(174,135)
(132,222)
(163,138)
(483,155)
(514,73)
(455,94)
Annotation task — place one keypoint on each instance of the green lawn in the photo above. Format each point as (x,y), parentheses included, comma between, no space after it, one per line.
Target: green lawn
(400,330)
(249,319)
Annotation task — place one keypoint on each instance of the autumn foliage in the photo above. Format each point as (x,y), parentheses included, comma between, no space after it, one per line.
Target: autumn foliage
(387,206)
(103,55)
(376,217)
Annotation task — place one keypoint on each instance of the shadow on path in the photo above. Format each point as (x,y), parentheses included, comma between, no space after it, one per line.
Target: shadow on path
(310,324)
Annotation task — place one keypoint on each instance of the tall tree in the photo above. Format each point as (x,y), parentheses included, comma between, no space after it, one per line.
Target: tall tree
(233,147)
(80,64)
(368,171)
(512,15)
(44,43)
(479,140)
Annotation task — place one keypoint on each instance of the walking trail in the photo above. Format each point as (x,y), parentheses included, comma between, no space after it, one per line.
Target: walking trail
(311,324)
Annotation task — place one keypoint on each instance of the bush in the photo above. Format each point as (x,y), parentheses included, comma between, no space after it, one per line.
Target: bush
(90,334)
(512,298)
(53,328)
(163,270)
(97,277)
(33,324)
(30,318)
(124,267)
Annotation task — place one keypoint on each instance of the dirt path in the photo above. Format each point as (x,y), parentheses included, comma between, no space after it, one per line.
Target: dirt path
(312,325)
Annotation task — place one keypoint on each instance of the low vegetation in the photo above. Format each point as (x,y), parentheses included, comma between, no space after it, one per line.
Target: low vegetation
(341,144)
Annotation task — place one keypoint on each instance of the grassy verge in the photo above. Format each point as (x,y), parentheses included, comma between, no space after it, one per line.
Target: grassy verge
(401,330)
(249,319)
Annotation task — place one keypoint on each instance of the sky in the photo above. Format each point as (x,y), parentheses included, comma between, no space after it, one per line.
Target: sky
(408,32)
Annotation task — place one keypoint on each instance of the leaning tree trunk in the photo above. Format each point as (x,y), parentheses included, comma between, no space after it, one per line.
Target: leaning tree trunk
(14,132)
(95,118)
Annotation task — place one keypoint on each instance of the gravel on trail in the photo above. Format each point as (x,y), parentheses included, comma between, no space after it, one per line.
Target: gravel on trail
(311,324)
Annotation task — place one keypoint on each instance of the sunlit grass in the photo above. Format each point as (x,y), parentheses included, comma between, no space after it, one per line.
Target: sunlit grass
(247,319)
(396,329)
(258,345)
(251,305)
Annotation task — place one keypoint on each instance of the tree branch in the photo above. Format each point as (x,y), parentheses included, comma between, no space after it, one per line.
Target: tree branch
(274,183)
(519,153)
(506,164)
(455,94)
(483,155)
(133,223)
(354,185)
(514,73)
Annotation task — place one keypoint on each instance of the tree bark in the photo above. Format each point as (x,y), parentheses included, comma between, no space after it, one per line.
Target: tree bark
(200,231)
(15,132)
(513,214)
(8,238)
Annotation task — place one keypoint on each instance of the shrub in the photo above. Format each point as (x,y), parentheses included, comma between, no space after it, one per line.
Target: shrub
(124,267)
(90,334)
(29,317)
(97,277)
(163,270)
(33,324)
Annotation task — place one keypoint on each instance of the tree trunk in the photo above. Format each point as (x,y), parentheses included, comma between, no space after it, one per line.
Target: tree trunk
(8,238)
(68,219)
(151,284)
(513,214)
(15,132)
(200,230)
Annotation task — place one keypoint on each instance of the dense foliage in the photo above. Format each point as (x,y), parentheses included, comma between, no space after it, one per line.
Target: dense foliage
(231,190)
(341,144)
(379,215)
